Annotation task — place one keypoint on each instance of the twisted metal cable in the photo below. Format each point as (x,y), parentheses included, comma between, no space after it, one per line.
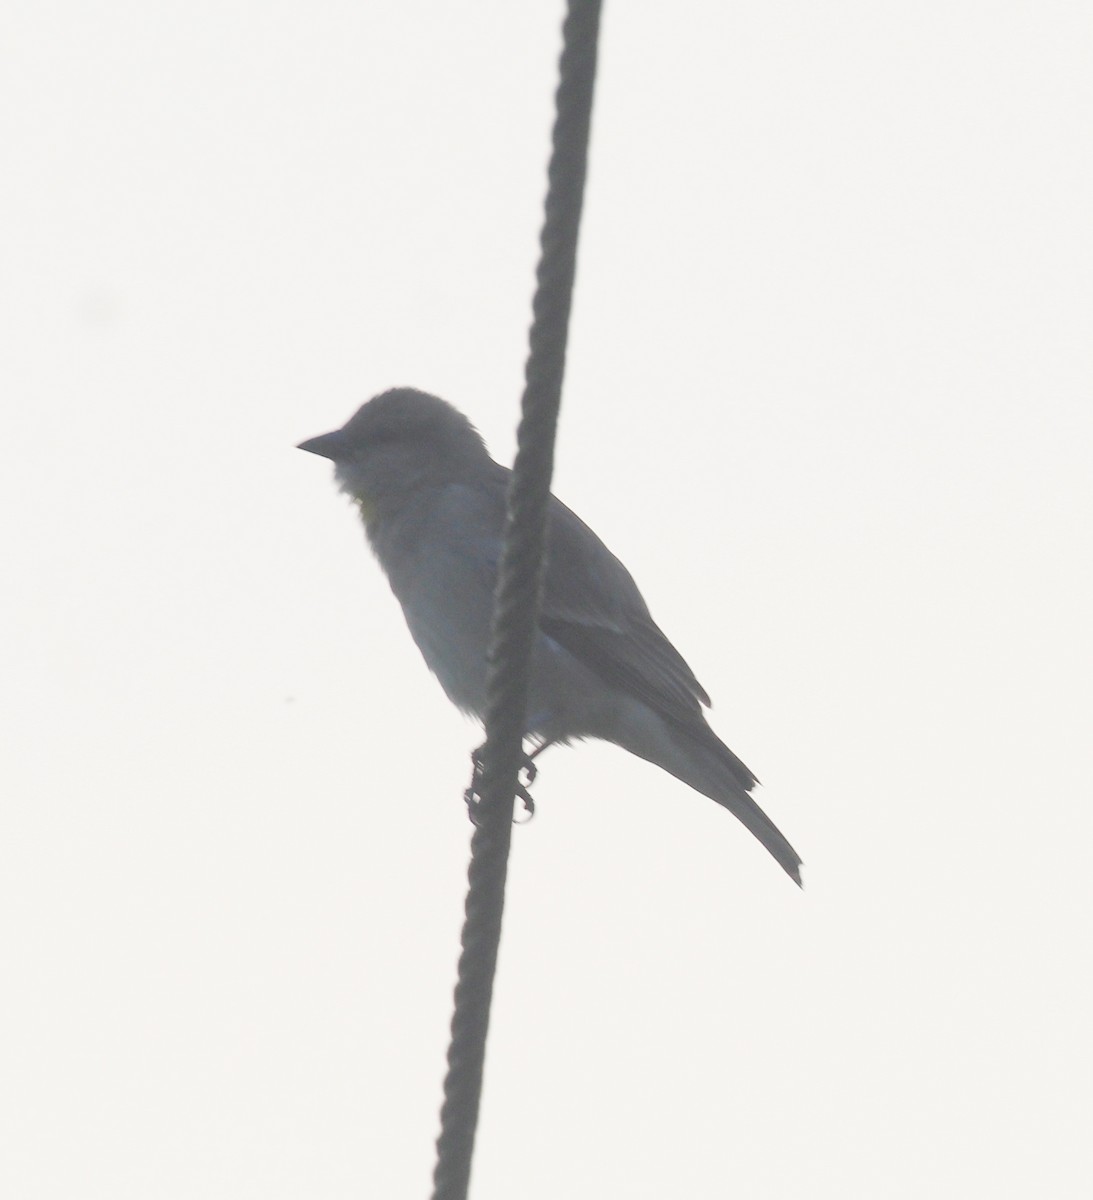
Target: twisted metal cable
(516,603)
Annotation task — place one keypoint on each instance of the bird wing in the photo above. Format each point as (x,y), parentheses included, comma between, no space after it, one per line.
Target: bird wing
(592,607)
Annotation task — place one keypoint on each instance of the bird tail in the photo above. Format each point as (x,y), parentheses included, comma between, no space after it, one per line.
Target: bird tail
(702,761)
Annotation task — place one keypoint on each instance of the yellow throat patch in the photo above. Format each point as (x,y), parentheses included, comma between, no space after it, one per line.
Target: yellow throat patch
(365,508)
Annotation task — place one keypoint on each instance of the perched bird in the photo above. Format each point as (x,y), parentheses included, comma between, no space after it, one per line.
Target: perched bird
(433,505)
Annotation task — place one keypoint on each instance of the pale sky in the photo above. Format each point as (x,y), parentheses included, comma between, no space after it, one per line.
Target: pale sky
(828,396)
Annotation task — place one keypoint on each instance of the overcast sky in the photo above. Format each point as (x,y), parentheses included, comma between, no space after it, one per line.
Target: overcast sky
(829,397)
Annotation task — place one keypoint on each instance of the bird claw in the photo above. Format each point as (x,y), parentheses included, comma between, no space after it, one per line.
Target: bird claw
(524,796)
(472,797)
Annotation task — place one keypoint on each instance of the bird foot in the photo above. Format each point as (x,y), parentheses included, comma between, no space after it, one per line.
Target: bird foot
(472,797)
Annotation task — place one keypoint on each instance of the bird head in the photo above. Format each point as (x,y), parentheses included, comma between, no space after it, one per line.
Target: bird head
(397,444)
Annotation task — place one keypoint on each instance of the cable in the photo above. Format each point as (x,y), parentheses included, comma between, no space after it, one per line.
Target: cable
(516,603)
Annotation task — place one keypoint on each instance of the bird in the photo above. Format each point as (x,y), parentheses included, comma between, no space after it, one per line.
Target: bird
(433,503)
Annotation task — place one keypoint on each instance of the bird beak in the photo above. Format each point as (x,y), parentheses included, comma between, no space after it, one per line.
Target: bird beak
(326,445)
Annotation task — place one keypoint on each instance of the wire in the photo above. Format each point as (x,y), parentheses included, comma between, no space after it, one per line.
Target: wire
(516,602)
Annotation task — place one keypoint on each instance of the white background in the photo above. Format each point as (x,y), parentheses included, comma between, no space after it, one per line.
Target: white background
(828,396)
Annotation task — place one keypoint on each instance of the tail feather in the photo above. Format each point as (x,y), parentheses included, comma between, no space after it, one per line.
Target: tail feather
(752,817)
(702,761)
